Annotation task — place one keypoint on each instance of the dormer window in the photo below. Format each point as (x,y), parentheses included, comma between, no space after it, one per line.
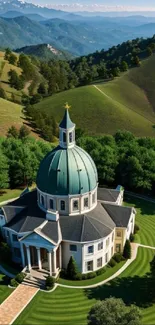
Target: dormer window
(62,205)
(64,137)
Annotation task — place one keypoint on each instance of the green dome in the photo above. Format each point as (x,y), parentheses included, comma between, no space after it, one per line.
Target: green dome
(67,171)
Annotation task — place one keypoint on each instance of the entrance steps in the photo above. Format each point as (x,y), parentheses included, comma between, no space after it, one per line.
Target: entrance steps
(36,278)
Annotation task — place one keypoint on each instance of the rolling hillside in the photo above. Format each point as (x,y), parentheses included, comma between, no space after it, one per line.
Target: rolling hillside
(125,103)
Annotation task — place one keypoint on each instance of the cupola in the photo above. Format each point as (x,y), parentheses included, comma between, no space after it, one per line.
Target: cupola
(66,130)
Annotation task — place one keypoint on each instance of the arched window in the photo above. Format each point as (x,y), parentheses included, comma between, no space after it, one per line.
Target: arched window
(70,137)
(64,137)
(51,204)
(62,205)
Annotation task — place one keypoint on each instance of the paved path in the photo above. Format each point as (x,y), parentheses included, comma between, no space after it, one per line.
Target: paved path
(16,303)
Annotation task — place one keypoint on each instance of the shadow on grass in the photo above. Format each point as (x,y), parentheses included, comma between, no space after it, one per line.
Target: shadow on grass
(133,290)
(146,207)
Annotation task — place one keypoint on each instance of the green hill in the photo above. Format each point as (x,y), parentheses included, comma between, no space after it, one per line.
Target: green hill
(124,103)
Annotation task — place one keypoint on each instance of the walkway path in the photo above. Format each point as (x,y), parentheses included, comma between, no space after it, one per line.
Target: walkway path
(16,303)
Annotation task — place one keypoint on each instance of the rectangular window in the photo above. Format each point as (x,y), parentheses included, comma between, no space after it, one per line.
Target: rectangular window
(100,246)
(90,249)
(118,233)
(70,137)
(112,237)
(75,205)
(64,137)
(118,248)
(99,262)
(73,248)
(62,205)
(17,252)
(51,204)
(14,238)
(106,257)
(86,202)
(42,200)
(93,198)
(107,242)
(90,266)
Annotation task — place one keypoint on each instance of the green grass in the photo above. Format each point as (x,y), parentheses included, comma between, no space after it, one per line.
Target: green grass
(4,290)
(10,114)
(109,272)
(9,194)
(145,218)
(122,105)
(70,306)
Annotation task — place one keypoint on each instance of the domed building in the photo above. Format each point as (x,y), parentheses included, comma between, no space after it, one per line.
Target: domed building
(67,214)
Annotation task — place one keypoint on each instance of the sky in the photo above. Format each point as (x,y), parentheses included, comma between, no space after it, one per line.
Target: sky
(99,5)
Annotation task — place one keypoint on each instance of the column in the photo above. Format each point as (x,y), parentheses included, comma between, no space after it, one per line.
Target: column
(39,258)
(28,257)
(22,254)
(50,262)
(60,257)
(54,261)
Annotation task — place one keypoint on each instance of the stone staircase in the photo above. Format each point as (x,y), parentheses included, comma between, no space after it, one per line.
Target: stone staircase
(36,279)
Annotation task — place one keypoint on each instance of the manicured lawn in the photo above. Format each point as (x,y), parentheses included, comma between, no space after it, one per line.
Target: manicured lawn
(145,218)
(70,306)
(4,290)
(109,272)
(9,194)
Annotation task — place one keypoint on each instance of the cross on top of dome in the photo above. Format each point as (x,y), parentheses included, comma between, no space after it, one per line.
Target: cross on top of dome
(67,130)
(66,122)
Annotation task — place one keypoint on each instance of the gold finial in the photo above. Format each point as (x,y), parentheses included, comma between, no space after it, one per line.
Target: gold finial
(67,106)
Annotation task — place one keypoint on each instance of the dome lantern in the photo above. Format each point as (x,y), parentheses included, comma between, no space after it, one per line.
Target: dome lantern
(67,130)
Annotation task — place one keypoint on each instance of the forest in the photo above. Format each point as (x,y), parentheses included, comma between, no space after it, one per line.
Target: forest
(120,159)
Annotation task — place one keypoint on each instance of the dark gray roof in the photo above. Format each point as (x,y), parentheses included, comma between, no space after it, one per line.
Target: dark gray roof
(120,215)
(105,194)
(88,227)
(51,230)
(11,211)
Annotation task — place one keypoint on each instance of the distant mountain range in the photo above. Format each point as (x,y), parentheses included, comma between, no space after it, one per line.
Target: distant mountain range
(25,24)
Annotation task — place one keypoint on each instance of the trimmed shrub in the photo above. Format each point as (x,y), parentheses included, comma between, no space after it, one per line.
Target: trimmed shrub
(63,274)
(101,271)
(14,283)
(127,250)
(78,276)
(71,269)
(132,237)
(118,257)
(136,228)
(91,275)
(50,282)
(112,262)
(20,277)
(84,276)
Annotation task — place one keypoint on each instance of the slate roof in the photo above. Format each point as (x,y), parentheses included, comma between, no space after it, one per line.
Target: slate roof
(120,215)
(90,226)
(66,122)
(105,194)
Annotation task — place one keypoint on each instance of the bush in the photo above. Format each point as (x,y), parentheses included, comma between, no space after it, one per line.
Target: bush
(14,283)
(20,277)
(136,229)
(84,276)
(118,257)
(112,262)
(72,269)
(127,250)
(50,282)
(78,276)
(101,271)
(91,275)
(63,274)
(132,237)
(5,253)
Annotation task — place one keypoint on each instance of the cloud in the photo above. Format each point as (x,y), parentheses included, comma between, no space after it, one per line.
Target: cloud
(98,7)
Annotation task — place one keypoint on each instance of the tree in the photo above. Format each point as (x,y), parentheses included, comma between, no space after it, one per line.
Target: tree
(127,250)
(42,89)
(12,59)
(4,171)
(113,311)
(149,51)
(15,80)
(124,66)
(7,54)
(13,132)
(71,269)
(23,132)
(152,267)
(2,93)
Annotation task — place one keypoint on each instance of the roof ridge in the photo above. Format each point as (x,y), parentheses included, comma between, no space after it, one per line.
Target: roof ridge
(23,223)
(83,223)
(103,222)
(94,226)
